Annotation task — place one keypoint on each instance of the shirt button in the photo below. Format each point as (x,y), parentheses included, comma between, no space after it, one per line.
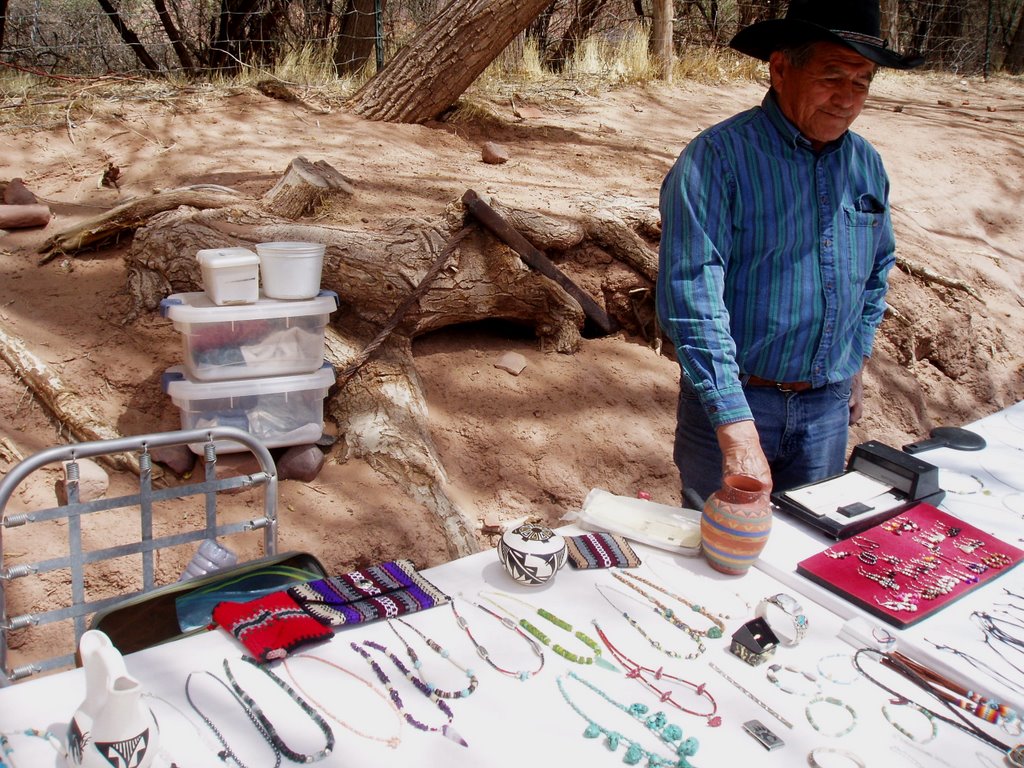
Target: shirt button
(827,243)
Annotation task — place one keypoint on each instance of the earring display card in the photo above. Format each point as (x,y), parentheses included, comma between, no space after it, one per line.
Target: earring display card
(912,565)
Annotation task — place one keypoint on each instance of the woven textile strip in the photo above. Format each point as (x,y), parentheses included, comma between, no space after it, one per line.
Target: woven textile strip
(601,550)
(269,626)
(382,591)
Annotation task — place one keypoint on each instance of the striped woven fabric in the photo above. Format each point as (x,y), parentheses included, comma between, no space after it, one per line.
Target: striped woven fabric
(382,591)
(601,550)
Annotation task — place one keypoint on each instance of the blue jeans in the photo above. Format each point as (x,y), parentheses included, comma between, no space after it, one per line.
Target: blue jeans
(803,436)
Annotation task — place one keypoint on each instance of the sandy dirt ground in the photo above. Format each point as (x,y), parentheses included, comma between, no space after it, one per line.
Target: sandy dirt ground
(533,445)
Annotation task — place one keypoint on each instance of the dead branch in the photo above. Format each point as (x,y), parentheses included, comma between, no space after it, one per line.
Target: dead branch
(63,403)
(129,216)
(931,276)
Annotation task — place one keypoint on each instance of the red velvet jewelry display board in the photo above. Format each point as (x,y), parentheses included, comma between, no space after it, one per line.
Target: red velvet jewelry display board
(909,556)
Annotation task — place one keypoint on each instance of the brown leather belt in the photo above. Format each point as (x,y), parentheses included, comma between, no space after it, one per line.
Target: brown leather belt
(782,386)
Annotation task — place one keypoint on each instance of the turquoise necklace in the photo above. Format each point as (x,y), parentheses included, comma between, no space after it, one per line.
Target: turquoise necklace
(671,735)
(579,634)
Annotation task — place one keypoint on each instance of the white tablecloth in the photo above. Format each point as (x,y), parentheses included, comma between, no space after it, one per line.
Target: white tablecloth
(509,723)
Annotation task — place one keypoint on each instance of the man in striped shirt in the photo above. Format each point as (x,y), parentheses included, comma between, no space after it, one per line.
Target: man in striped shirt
(776,242)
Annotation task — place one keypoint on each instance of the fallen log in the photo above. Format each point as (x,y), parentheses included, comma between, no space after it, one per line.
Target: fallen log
(72,411)
(382,414)
(493,221)
(131,215)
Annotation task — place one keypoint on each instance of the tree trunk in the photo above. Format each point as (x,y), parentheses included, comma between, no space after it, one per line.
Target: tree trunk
(582,22)
(538,29)
(891,23)
(357,33)
(129,37)
(3,18)
(1014,62)
(173,35)
(661,38)
(434,70)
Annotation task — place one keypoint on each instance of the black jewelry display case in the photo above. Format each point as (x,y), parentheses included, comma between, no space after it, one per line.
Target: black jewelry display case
(912,481)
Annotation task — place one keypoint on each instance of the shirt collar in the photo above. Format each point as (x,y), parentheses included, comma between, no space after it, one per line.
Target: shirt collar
(790,132)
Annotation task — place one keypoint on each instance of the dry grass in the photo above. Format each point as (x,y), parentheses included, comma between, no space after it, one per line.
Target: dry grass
(41,101)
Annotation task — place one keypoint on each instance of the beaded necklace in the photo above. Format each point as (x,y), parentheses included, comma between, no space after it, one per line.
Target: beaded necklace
(636,671)
(7,751)
(275,740)
(717,589)
(446,730)
(579,634)
(656,644)
(508,624)
(444,654)
(671,735)
(391,741)
(227,753)
(711,633)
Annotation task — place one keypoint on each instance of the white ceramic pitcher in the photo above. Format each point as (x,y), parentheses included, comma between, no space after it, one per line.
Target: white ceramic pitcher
(112,726)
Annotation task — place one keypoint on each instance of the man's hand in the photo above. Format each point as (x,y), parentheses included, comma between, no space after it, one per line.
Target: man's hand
(741,451)
(857,397)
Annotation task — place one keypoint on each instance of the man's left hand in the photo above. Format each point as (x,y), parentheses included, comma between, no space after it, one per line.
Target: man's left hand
(857,397)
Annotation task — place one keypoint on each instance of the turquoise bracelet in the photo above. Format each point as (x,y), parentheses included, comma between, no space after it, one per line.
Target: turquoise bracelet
(887,713)
(835,703)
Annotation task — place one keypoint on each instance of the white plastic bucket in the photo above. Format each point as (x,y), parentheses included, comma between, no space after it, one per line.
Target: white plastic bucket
(291,270)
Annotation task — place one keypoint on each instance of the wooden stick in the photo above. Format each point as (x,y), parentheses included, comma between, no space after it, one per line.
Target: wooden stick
(493,221)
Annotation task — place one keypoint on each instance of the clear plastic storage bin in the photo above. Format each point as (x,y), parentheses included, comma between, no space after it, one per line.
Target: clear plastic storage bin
(247,341)
(278,410)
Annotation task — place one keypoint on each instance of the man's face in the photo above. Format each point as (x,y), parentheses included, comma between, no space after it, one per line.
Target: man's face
(823,97)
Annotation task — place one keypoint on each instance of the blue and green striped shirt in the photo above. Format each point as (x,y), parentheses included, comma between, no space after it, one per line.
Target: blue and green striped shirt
(773,258)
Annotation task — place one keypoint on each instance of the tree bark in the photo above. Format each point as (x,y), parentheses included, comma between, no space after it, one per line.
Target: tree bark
(130,215)
(434,70)
(356,36)
(129,37)
(173,35)
(1014,61)
(62,401)
(304,187)
(661,38)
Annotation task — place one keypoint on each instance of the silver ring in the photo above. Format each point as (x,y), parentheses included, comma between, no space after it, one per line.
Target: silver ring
(789,606)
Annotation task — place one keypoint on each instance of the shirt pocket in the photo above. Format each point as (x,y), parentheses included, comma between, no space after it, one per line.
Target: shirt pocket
(863,233)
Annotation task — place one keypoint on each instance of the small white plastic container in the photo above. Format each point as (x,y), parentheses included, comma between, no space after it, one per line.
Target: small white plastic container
(291,270)
(246,341)
(230,275)
(278,410)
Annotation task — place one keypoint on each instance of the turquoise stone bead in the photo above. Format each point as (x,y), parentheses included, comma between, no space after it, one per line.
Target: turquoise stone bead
(592,731)
(633,755)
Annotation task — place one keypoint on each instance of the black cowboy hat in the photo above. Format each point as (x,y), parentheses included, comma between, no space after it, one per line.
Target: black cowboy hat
(853,23)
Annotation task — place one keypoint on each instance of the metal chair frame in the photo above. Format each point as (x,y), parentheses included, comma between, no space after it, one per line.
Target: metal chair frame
(73,511)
